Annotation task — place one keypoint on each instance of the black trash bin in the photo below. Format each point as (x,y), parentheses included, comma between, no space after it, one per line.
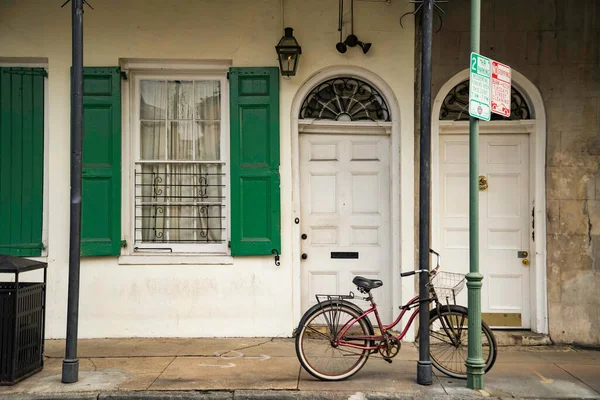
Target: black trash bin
(22,321)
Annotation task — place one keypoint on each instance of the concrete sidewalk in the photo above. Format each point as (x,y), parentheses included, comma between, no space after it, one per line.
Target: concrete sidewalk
(263,368)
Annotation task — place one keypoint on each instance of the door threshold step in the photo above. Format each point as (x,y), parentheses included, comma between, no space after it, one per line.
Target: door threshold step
(521,338)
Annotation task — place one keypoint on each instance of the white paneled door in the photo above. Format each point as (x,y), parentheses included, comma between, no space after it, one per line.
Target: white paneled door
(345,204)
(504,222)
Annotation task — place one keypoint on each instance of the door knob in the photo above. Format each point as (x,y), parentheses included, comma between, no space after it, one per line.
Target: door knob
(304,256)
(525,261)
(304,236)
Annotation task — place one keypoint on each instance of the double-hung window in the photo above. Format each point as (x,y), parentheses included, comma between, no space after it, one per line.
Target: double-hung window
(180,164)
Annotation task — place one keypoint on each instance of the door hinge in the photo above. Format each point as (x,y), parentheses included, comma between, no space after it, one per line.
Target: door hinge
(124,75)
(123,243)
(227,75)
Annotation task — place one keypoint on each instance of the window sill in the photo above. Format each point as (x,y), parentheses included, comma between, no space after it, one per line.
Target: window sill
(176,259)
(43,258)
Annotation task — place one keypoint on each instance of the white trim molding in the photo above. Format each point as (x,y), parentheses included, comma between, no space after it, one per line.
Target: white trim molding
(536,128)
(178,259)
(29,62)
(346,128)
(497,127)
(175,65)
(402,179)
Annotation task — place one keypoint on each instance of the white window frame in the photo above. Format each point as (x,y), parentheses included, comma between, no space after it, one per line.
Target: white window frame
(131,155)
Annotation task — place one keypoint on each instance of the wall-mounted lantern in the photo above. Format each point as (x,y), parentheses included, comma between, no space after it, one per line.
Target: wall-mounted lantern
(288,52)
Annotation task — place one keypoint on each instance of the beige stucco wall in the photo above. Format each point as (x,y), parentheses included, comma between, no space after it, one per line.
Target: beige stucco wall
(249,296)
(555,45)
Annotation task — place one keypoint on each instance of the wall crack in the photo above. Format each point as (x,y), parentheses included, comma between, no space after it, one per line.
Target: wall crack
(589,221)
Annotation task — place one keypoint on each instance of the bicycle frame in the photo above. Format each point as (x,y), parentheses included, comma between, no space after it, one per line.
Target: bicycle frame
(340,341)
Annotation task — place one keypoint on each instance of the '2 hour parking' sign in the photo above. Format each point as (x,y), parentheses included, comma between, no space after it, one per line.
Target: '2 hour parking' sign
(489,88)
(480,87)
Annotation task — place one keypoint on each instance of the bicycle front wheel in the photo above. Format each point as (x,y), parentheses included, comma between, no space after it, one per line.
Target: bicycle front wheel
(315,349)
(448,333)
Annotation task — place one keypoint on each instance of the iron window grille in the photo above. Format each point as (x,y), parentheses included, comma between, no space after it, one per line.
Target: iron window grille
(456,105)
(180,207)
(345,99)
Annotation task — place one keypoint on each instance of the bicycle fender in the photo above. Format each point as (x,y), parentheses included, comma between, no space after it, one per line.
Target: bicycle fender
(325,303)
(453,307)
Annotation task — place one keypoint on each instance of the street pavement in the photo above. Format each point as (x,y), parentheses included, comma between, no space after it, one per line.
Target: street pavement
(267,368)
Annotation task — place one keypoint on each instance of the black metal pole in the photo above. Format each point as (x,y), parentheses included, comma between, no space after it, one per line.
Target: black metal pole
(424,364)
(70,368)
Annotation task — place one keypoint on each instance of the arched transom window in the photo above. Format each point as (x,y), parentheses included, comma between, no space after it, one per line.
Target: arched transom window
(456,105)
(345,99)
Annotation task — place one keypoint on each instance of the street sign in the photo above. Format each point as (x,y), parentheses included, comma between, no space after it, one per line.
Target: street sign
(480,87)
(501,81)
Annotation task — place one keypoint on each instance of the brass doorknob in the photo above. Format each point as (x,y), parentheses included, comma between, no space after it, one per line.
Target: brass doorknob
(525,261)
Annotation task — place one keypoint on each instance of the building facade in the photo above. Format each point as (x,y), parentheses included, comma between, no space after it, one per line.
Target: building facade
(553,49)
(219,197)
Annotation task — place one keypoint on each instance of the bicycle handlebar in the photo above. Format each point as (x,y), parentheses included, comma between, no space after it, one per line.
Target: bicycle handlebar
(409,273)
(433,271)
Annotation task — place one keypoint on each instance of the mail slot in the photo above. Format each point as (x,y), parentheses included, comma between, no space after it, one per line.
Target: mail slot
(344,254)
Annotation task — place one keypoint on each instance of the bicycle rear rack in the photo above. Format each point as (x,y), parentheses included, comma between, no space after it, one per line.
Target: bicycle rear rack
(335,298)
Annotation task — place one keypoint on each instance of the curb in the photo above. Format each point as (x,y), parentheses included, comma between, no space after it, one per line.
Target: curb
(166,395)
(50,396)
(291,395)
(256,395)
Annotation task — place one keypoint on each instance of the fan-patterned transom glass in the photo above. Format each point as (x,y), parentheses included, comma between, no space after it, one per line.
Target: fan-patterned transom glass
(345,99)
(456,105)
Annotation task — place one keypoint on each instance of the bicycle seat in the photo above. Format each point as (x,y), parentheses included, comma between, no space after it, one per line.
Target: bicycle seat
(367,284)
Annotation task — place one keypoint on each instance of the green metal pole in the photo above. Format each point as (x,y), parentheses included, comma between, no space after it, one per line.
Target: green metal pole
(475,364)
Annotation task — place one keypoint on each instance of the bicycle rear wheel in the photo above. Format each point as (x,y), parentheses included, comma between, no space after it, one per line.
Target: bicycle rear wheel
(314,342)
(448,332)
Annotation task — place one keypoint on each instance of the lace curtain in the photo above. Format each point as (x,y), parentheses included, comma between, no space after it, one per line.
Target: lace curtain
(182,194)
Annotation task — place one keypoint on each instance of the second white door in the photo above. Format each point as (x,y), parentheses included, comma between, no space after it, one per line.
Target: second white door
(504,222)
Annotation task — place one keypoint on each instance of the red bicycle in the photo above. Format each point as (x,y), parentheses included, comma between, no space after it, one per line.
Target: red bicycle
(335,338)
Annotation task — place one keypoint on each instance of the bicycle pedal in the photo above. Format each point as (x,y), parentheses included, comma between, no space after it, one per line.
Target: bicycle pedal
(388,360)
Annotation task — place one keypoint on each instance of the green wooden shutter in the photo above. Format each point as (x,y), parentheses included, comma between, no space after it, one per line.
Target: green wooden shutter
(255,202)
(101,191)
(21,160)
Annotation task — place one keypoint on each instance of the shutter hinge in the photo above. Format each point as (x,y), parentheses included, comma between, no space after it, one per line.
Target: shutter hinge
(124,75)
(229,244)
(227,75)
(123,243)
